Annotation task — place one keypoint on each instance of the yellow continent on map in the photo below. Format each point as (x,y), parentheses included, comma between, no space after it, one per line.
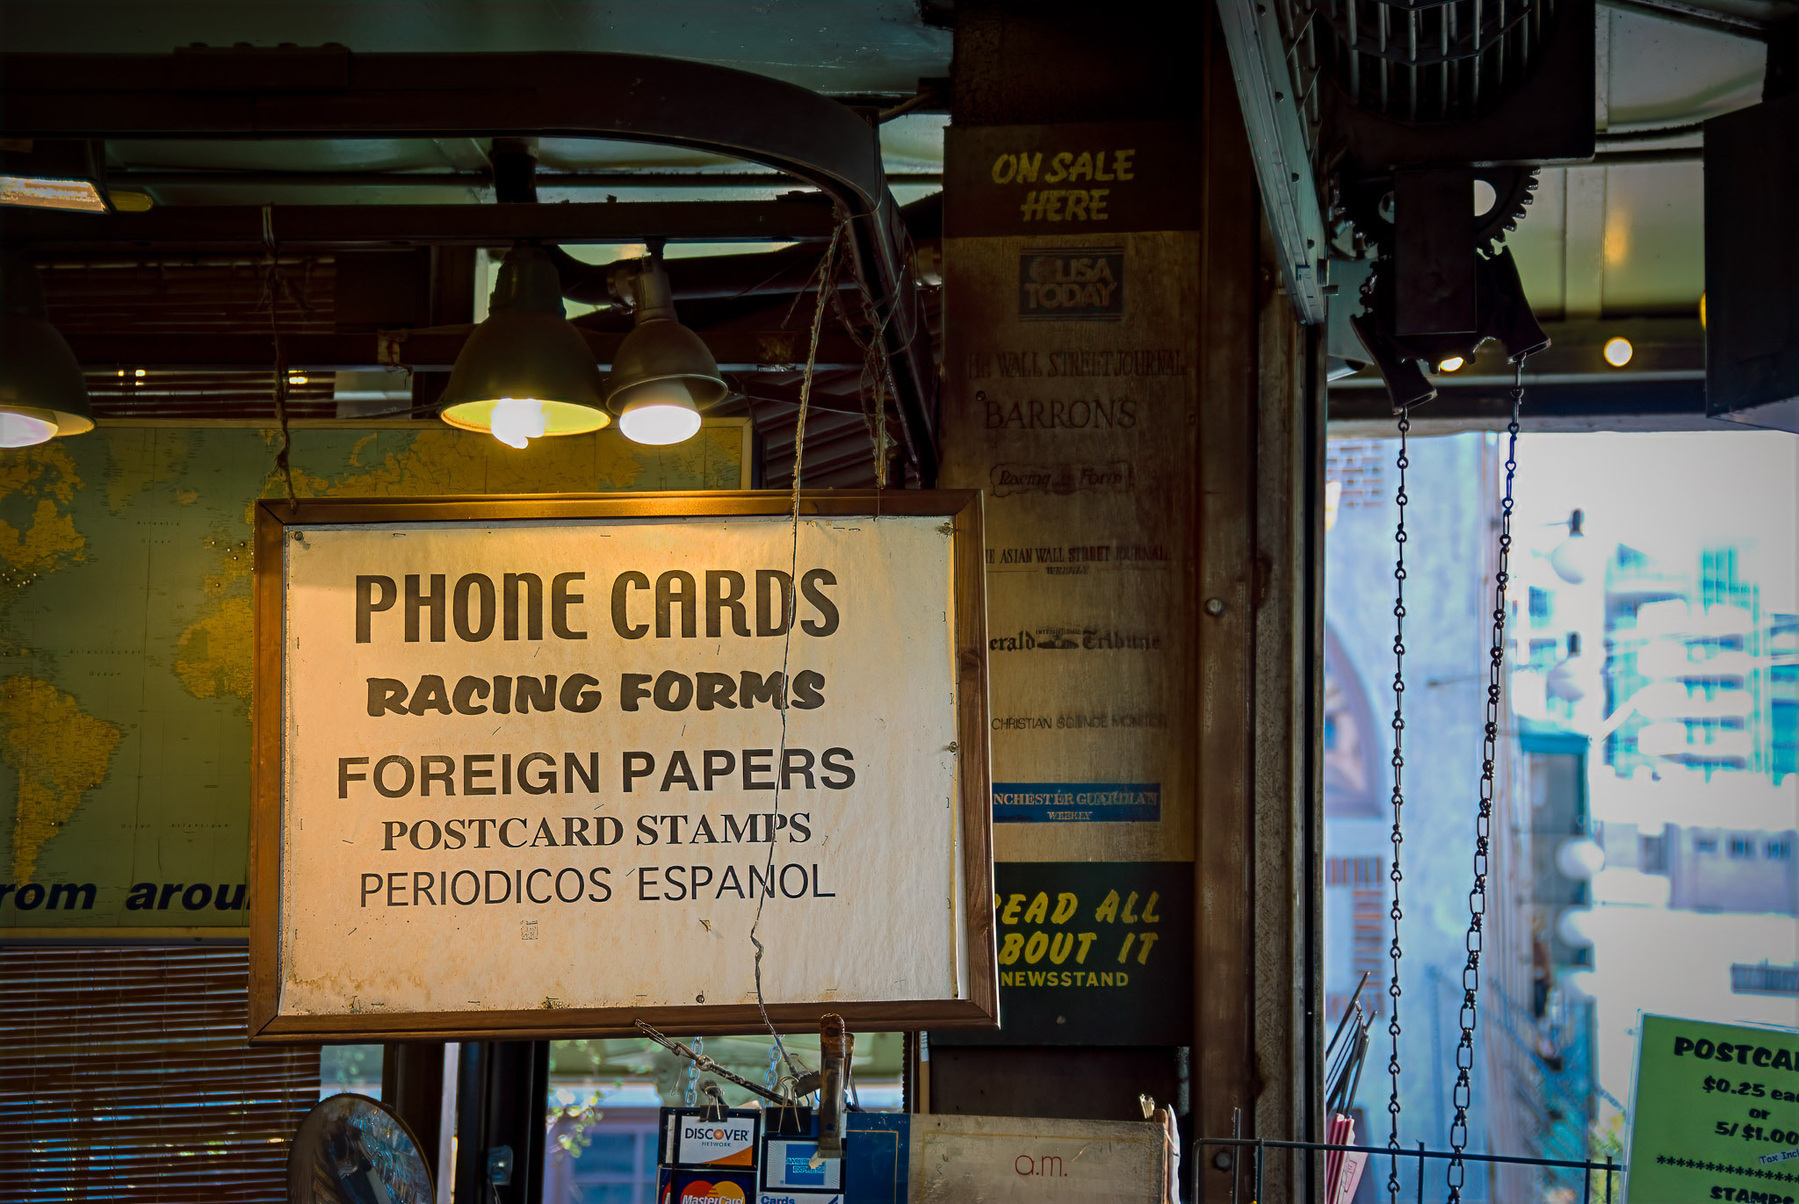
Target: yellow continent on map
(125,569)
(47,474)
(59,752)
(214,655)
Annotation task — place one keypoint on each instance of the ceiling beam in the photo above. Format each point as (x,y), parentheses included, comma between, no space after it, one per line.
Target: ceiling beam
(1592,405)
(328,92)
(236,227)
(421,351)
(481,179)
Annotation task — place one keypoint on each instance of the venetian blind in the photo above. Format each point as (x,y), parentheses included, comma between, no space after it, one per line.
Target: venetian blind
(125,1076)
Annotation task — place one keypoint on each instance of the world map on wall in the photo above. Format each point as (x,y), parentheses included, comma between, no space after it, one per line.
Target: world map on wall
(126,648)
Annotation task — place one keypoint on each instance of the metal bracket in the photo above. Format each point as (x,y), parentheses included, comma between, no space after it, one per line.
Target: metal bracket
(1277,139)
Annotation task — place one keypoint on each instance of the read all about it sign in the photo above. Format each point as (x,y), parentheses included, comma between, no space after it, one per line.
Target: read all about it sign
(542,765)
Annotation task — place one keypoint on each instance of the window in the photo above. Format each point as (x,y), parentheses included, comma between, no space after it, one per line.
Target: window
(1778,850)
(1352,757)
(1545,653)
(1539,608)
(611,1161)
(1705,844)
(125,1076)
(1764,979)
(1741,847)
(352,1068)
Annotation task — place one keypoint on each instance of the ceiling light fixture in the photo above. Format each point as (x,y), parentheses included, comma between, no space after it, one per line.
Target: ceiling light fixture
(1618,351)
(1452,364)
(525,373)
(663,374)
(52,174)
(1577,557)
(42,393)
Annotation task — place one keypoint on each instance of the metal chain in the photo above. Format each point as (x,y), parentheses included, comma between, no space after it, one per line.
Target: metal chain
(693,1073)
(1393,950)
(1477,897)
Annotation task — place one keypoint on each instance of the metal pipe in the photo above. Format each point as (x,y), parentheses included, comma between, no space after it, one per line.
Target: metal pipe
(1697,16)
(1274,1143)
(707,1064)
(164,178)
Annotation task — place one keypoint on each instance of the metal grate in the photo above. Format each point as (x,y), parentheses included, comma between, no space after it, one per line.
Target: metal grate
(125,1076)
(142,393)
(196,295)
(200,295)
(1416,60)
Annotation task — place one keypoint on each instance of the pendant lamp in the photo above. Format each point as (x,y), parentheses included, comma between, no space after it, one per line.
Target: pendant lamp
(525,373)
(42,393)
(663,374)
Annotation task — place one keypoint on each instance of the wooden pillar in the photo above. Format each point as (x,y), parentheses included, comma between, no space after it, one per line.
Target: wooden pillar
(1239,755)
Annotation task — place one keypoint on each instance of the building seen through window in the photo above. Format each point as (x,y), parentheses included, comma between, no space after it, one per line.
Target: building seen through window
(1648,798)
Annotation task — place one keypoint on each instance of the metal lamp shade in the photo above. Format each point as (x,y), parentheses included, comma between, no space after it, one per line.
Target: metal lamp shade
(663,366)
(526,351)
(525,355)
(40,378)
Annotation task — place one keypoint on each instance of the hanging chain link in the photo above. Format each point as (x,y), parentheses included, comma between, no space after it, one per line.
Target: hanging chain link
(1477,897)
(1393,951)
(698,1045)
(772,1075)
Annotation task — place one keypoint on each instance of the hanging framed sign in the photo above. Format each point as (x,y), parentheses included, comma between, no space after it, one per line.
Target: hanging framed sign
(542,766)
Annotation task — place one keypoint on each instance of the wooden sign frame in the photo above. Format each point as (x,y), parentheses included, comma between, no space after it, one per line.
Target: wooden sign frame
(978,1007)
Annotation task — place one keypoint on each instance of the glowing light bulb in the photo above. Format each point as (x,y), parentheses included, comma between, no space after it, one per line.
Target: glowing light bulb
(665,414)
(1618,351)
(659,425)
(22,430)
(517,421)
(1452,364)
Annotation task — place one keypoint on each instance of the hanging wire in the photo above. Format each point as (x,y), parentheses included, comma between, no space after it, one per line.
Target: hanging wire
(826,275)
(275,285)
(1395,913)
(1477,897)
(876,382)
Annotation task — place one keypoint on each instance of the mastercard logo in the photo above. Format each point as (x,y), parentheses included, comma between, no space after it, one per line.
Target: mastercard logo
(700,1192)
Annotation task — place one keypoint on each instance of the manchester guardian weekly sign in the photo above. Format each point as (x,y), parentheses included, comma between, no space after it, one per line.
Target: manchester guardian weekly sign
(537,766)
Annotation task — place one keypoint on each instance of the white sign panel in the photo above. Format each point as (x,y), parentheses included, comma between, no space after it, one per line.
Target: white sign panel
(545,773)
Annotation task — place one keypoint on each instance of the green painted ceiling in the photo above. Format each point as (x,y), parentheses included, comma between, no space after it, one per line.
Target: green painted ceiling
(1607,240)
(844,47)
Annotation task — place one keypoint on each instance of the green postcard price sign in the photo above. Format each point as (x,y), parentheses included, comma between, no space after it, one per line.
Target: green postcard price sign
(1716,1114)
